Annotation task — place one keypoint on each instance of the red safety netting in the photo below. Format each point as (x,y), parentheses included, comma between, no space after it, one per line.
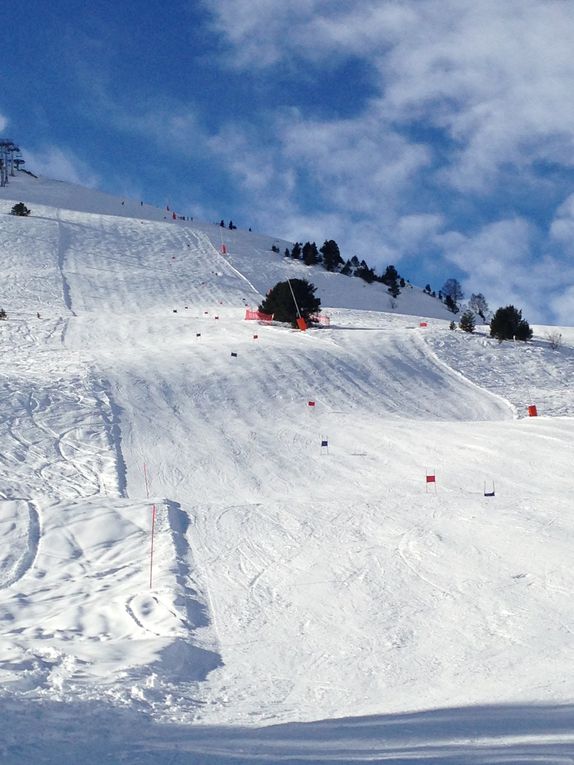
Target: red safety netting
(257,315)
(321,319)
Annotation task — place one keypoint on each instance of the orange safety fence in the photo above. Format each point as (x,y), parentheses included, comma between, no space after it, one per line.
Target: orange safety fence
(257,315)
(321,319)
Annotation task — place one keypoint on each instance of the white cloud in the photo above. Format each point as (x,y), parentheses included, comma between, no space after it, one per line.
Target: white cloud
(254,30)
(265,32)
(360,165)
(562,227)
(414,233)
(3,122)
(498,260)
(63,165)
(494,77)
(562,307)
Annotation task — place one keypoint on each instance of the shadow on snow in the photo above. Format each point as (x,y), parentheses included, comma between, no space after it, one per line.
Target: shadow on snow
(66,733)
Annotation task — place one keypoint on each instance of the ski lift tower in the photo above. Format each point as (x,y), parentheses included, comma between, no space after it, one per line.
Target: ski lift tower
(19,161)
(8,150)
(15,154)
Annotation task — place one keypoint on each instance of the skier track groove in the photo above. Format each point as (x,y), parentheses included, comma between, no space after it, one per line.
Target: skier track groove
(26,560)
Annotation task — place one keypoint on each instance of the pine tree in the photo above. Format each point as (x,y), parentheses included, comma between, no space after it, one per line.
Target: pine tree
(365,273)
(280,303)
(478,304)
(467,322)
(296,251)
(453,293)
(507,324)
(391,279)
(310,254)
(3,314)
(390,276)
(20,209)
(451,305)
(331,255)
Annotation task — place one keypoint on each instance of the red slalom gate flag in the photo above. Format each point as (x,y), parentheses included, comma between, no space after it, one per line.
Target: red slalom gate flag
(311,403)
(431,479)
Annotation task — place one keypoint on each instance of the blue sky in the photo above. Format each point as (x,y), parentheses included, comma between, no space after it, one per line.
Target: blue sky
(437,135)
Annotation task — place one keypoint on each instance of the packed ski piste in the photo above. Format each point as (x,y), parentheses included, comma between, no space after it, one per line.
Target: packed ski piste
(226,540)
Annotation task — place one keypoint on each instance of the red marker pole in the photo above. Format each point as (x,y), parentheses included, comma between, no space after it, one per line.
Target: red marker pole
(430,478)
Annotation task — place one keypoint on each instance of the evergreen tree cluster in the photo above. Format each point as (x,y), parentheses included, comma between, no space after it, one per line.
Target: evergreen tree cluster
(329,256)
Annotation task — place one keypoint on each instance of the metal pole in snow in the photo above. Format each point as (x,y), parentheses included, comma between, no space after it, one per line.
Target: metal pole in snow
(293,295)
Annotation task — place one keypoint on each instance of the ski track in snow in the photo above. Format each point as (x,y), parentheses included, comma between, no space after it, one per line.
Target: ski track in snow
(290,582)
(20,524)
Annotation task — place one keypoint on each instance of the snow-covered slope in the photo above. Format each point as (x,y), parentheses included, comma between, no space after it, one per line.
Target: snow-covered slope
(303,568)
(247,253)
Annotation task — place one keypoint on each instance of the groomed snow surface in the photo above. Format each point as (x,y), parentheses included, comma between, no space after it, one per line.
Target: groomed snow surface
(308,603)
